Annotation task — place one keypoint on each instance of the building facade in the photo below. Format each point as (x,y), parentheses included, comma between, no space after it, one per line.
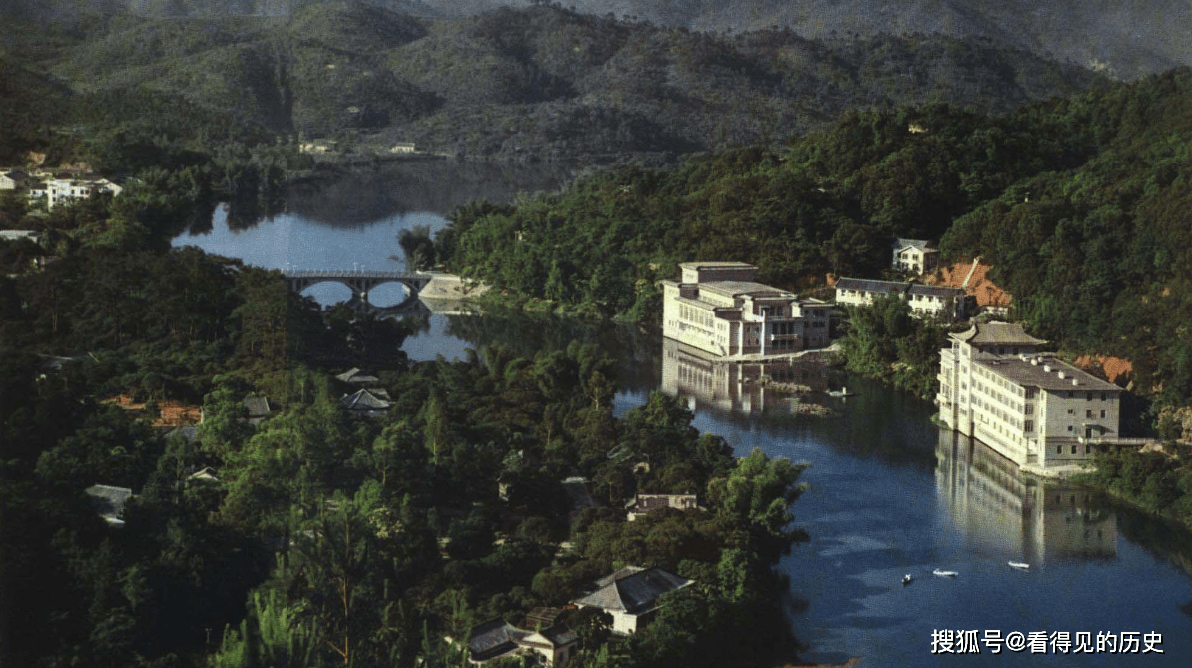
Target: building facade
(59,191)
(716,307)
(915,255)
(925,301)
(1030,407)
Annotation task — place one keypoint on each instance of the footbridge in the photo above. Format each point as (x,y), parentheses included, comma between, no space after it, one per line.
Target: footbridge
(360,282)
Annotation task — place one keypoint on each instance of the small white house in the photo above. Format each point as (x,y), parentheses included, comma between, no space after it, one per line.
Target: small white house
(915,255)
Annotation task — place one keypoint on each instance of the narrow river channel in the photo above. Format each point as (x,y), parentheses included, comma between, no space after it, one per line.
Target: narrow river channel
(889,492)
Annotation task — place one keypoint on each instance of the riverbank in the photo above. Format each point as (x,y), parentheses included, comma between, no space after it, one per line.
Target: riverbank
(1155,480)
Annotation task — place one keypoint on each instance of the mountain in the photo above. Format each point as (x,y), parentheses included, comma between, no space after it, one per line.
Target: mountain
(1125,38)
(535,83)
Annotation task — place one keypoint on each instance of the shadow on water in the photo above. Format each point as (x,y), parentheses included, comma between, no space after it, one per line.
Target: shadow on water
(362,197)
(632,347)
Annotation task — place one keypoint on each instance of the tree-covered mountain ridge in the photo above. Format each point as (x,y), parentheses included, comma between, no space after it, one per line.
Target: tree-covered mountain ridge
(539,82)
(1081,204)
(1127,38)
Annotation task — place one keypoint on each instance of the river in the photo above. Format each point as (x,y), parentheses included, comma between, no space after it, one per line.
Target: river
(889,492)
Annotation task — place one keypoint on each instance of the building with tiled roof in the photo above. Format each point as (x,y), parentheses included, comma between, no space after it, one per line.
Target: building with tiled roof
(923,300)
(497,638)
(1029,406)
(718,308)
(365,403)
(631,595)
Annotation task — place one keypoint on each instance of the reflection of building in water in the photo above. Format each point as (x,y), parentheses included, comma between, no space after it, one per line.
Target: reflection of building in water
(745,387)
(1035,520)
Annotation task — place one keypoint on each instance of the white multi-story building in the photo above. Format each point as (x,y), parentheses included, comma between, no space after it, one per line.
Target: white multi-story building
(717,307)
(59,191)
(915,255)
(924,300)
(1030,407)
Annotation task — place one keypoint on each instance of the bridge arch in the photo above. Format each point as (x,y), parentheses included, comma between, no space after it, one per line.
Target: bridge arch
(361,283)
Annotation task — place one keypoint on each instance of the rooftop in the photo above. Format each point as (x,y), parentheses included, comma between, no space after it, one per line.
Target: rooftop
(935,291)
(739,288)
(868,285)
(355,375)
(492,638)
(923,244)
(363,400)
(1045,372)
(632,589)
(716,265)
(1009,333)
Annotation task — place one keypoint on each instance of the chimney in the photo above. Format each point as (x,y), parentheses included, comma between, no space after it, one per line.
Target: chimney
(1047,368)
(1061,375)
(1074,382)
(1034,361)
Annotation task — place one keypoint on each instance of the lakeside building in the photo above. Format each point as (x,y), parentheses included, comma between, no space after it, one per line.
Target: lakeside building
(718,308)
(1030,407)
(924,300)
(915,255)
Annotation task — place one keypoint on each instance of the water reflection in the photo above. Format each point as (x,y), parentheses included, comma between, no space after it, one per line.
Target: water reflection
(739,387)
(368,196)
(996,506)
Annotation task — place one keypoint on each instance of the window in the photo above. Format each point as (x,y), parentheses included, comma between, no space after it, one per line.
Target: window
(1030,393)
(1069,427)
(1073,449)
(1089,397)
(1103,413)
(1088,414)
(1030,409)
(1029,425)
(1102,396)
(1059,449)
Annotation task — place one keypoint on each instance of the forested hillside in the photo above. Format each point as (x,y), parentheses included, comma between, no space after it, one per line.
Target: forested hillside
(534,83)
(1080,204)
(1127,39)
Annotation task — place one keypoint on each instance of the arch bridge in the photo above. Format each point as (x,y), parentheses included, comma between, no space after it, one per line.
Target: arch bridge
(360,282)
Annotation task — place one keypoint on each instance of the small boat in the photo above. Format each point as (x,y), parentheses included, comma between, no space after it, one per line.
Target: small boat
(945,574)
(906,579)
(1019,565)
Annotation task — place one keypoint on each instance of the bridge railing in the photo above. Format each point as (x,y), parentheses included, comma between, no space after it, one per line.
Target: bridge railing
(344,273)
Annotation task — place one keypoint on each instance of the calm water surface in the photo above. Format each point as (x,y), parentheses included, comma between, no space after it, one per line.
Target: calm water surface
(889,493)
